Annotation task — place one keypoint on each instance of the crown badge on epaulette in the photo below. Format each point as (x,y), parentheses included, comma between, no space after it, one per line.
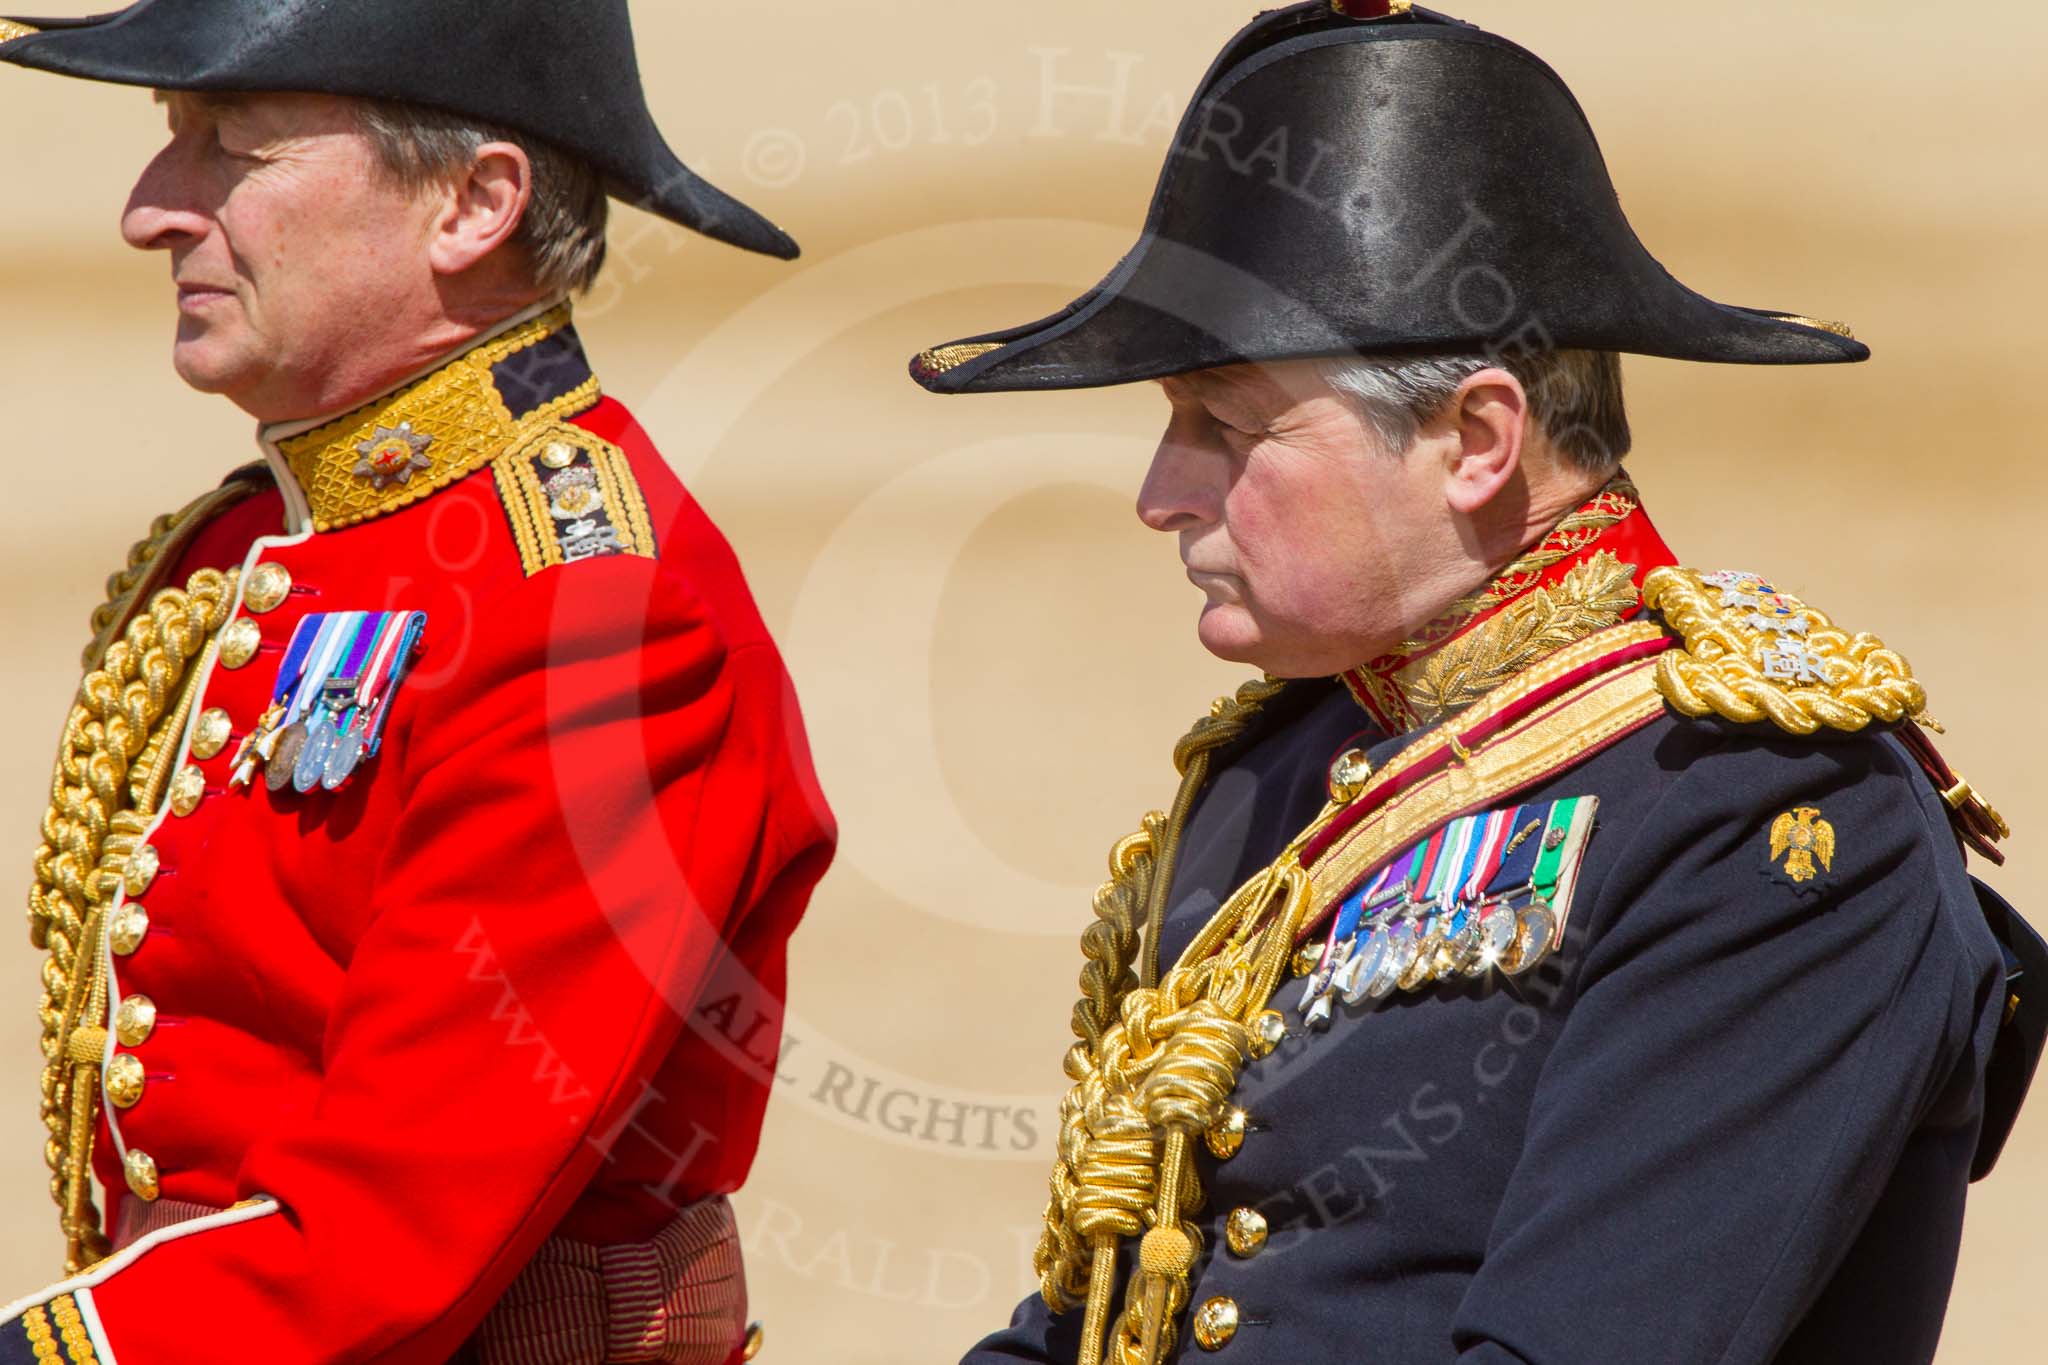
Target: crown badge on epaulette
(1753,653)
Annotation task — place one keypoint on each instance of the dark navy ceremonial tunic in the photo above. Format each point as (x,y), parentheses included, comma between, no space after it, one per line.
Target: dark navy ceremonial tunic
(1730,1121)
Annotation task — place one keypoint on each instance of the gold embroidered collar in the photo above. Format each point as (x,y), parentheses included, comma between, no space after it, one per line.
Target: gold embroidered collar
(1582,577)
(434,430)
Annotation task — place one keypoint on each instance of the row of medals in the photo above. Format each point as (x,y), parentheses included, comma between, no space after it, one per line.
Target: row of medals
(319,750)
(1416,944)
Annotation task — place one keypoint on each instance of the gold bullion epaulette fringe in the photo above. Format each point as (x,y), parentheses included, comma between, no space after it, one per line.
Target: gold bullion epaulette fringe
(1750,653)
(570,495)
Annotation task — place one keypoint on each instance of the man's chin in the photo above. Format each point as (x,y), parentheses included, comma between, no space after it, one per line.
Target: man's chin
(1228,631)
(205,368)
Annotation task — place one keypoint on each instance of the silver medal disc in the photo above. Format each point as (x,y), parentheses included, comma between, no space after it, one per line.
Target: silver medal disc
(1401,950)
(1364,968)
(1497,935)
(312,764)
(342,760)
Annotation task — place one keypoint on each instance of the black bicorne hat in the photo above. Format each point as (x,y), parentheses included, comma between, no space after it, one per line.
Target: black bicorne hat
(564,73)
(1370,186)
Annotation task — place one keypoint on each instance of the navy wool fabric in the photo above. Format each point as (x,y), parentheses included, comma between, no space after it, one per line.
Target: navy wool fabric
(1731,1121)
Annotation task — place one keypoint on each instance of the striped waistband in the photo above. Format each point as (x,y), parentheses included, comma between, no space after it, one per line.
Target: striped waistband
(679,1298)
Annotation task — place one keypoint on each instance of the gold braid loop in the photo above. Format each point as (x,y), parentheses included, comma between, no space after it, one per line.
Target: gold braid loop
(1105,1177)
(109,772)
(1160,1076)
(1801,679)
(1141,865)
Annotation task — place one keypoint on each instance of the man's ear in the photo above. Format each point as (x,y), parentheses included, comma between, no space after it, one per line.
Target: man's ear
(481,210)
(1488,417)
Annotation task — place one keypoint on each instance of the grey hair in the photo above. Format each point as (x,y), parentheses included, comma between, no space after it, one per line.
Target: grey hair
(563,232)
(1575,397)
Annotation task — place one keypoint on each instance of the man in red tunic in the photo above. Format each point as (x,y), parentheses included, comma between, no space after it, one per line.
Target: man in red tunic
(432,818)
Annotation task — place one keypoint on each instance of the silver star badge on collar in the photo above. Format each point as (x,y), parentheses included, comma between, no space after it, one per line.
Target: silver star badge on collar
(393,455)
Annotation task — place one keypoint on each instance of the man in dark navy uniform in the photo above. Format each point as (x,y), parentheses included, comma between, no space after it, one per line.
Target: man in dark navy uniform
(1561,955)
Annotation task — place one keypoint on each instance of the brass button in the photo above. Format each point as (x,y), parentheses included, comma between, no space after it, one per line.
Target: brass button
(1349,774)
(124,1080)
(239,641)
(135,1020)
(1269,1030)
(1307,958)
(267,587)
(1215,1324)
(1228,1135)
(755,1336)
(188,789)
(560,455)
(140,871)
(1245,1231)
(210,735)
(140,1168)
(125,933)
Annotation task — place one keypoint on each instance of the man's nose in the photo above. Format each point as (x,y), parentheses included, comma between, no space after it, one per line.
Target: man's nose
(1184,486)
(163,209)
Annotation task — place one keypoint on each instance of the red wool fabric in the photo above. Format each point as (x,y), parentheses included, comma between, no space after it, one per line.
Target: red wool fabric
(521,978)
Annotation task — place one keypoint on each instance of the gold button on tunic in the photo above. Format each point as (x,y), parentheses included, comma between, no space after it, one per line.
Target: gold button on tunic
(188,789)
(239,642)
(1245,1230)
(126,932)
(1216,1323)
(140,1168)
(211,734)
(124,1080)
(135,1020)
(268,586)
(141,870)
(1227,1136)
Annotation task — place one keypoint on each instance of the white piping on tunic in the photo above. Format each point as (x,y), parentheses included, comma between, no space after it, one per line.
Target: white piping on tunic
(80,1286)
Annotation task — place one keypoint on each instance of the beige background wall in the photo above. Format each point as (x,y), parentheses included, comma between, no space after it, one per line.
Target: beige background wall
(994,656)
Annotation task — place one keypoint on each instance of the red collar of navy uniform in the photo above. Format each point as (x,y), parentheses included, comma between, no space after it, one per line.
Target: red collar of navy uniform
(1586,574)
(436,428)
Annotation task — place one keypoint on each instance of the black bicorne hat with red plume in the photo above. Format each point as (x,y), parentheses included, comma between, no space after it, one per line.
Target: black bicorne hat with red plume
(1367,178)
(563,73)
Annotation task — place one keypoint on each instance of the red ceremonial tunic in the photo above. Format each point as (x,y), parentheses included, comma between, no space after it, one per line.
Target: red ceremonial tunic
(519,979)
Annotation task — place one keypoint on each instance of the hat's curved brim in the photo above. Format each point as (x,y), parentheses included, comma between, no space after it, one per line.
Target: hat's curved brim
(1371,186)
(145,46)
(1120,333)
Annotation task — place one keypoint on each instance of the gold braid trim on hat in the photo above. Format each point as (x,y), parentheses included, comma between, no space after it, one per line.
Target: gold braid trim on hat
(939,359)
(111,769)
(1155,1064)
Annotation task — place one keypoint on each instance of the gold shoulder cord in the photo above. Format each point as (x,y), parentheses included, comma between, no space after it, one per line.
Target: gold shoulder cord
(1156,1063)
(109,779)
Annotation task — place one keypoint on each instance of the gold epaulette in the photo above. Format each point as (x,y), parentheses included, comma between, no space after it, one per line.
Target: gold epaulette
(1751,653)
(571,495)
